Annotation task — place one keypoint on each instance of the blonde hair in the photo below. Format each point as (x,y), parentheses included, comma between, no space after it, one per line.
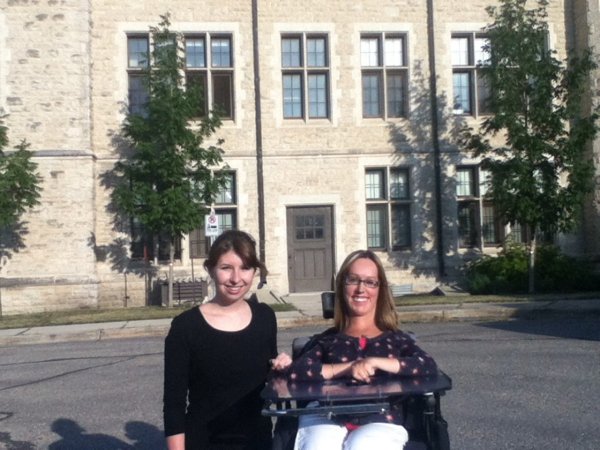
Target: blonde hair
(386,318)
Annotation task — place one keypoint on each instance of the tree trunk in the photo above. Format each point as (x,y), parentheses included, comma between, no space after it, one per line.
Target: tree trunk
(531,265)
(1,253)
(171,259)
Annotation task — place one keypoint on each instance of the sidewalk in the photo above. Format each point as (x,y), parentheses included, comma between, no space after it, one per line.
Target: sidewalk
(309,313)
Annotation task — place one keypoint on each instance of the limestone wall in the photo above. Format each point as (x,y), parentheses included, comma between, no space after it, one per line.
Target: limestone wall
(63,80)
(45,88)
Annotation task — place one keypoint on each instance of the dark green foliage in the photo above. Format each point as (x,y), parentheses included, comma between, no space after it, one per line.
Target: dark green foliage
(504,274)
(541,174)
(19,182)
(556,272)
(168,180)
(507,273)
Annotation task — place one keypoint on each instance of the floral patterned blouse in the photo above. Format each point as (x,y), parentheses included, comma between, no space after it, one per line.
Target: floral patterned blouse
(341,348)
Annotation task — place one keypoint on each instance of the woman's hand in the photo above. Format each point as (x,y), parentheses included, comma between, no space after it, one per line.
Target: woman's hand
(364,369)
(281,362)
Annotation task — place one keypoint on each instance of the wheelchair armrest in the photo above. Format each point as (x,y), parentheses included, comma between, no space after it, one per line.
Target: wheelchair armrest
(327,302)
(298,344)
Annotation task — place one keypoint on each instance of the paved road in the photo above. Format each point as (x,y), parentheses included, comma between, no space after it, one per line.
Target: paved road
(517,385)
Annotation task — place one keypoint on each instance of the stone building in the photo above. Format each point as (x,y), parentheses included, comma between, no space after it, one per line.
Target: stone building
(329,137)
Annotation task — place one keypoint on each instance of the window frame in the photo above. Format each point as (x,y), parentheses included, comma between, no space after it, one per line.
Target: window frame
(140,239)
(383,72)
(472,69)
(387,204)
(305,72)
(478,200)
(135,72)
(198,243)
(208,72)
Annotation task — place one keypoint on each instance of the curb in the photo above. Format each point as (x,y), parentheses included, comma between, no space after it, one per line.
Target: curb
(434,315)
(95,335)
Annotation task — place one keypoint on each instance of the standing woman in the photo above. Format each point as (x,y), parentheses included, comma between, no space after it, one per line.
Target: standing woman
(217,357)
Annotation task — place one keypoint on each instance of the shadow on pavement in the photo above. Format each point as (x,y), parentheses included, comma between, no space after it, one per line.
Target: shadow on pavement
(74,437)
(145,436)
(7,442)
(587,329)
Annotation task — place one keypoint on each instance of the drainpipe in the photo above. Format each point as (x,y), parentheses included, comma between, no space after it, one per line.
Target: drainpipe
(435,140)
(259,148)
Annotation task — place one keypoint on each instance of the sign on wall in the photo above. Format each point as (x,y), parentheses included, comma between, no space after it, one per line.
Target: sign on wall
(211,225)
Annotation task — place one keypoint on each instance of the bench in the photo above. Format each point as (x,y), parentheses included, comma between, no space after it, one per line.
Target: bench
(185,291)
(398,290)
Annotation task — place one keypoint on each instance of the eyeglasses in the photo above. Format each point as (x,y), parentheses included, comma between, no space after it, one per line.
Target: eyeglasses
(353,280)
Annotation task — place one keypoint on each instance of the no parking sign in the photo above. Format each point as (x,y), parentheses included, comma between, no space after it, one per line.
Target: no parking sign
(211,225)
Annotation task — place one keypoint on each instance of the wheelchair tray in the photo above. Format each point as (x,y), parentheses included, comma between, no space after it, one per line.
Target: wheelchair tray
(346,396)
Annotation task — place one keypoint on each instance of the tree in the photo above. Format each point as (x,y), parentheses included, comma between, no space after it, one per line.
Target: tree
(541,174)
(19,185)
(168,180)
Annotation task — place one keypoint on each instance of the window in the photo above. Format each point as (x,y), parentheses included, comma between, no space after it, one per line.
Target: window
(309,227)
(209,65)
(478,219)
(471,93)
(137,59)
(305,70)
(388,208)
(226,209)
(143,244)
(384,75)
(211,70)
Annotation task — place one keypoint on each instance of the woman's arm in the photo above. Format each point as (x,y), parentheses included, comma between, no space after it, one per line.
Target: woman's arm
(176,379)
(403,357)
(176,442)
(413,360)
(310,366)
(329,371)
(364,369)
(281,361)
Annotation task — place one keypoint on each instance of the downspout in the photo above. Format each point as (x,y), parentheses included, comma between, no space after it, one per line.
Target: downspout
(259,148)
(435,140)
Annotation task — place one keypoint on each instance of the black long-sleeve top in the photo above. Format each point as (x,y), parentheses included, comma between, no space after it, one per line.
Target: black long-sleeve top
(213,378)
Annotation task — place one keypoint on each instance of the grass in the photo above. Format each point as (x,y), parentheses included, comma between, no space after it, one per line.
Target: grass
(416,299)
(157,312)
(76,316)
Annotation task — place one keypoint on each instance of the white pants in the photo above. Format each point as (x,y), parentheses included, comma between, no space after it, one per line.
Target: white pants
(319,433)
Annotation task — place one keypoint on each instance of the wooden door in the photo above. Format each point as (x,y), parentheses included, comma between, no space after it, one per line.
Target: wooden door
(310,248)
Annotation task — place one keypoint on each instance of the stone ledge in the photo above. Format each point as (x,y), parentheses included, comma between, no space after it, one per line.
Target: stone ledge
(134,332)
(46,281)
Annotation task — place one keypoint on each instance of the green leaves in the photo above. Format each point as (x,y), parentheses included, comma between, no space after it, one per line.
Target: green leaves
(541,173)
(19,182)
(168,181)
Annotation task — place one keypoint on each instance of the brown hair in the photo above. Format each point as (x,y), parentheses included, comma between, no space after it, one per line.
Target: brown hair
(242,245)
(385,312)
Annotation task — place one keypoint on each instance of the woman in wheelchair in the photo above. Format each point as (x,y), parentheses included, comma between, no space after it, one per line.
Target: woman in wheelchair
(366,342)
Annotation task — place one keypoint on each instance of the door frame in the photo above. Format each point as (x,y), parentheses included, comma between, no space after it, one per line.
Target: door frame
(331,208)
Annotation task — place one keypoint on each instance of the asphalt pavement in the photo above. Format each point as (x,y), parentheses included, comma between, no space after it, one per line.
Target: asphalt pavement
(309,312)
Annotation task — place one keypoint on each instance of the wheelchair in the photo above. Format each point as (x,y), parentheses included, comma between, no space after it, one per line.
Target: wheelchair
(418,397)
